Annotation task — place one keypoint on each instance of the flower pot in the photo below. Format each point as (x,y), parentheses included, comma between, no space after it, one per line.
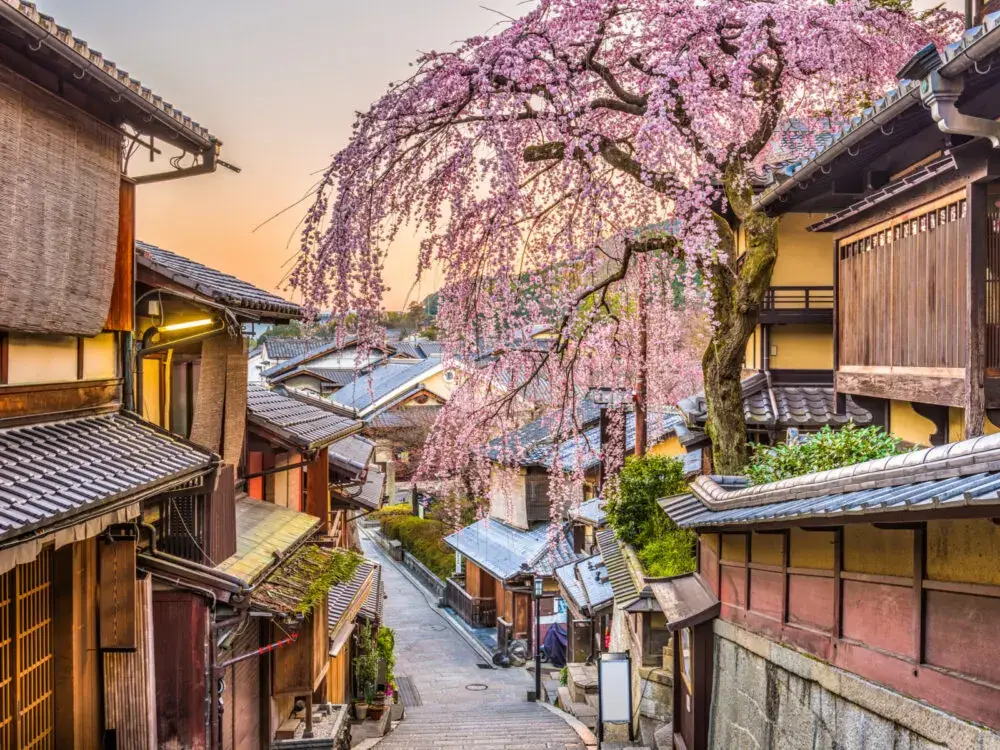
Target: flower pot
(375,710)
(361,711)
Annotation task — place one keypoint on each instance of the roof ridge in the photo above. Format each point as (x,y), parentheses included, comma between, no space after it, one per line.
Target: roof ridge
(972,456)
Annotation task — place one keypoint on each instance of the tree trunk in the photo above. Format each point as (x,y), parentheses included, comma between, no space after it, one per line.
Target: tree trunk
(737,292)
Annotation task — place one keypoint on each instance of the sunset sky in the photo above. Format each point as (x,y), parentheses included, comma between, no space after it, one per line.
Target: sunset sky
(278,83)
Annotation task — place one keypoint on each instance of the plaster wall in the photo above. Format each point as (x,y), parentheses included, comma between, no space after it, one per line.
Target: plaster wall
(769,697)
(907,425)
(99,355)
(669,447)
(507,497)
(437,385)
(41,359)
(801,347)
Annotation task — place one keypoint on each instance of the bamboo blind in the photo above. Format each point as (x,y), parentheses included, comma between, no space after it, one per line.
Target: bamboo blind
(59,183)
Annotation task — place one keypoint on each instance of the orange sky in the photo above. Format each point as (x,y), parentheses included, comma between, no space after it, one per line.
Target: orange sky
(278,83)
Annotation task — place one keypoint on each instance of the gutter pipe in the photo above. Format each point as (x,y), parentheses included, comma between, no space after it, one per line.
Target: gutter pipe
(940,94)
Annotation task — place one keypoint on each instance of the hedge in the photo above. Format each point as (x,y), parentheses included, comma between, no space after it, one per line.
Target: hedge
(421,537)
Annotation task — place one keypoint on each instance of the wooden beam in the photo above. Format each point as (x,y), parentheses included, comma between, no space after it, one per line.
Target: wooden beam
(974,402)
(4,357)
(838,586)
(919,565)
(18,401)
(785,562)
(79,358)
(901,387)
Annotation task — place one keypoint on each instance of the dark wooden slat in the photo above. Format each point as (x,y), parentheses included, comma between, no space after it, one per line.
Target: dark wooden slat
(975,355)
(919,570)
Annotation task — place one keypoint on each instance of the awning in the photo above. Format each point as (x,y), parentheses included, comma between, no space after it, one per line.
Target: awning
(264,532)
(685,600)
(299,583)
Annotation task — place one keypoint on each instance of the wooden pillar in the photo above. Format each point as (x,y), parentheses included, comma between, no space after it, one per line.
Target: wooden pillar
(75,648)
(919,565)
(318,489)
(975,270)
(838,584)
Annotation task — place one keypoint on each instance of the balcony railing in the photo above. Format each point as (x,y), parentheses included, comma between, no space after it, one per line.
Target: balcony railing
(479,612)
(797,304)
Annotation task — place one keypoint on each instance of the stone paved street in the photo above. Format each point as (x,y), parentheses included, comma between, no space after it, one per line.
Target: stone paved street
(462,705)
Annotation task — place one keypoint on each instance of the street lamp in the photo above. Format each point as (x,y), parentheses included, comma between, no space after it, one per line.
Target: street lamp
(538,637)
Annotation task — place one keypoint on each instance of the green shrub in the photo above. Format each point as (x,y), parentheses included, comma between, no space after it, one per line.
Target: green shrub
(632,510)
(386,643)
(401,509)
(671,554)
(423,538)
(827,449)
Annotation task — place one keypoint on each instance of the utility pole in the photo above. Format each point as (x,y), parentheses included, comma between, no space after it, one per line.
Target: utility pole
(640,386)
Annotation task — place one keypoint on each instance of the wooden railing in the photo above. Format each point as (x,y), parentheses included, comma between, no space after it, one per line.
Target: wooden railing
(477,611)
(797,304)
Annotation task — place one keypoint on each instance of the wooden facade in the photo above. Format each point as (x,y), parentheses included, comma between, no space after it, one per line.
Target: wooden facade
(912,607)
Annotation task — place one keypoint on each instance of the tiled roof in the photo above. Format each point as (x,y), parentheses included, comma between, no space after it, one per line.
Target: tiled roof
(264,531)
(684,600)
(349,597)
(960,474)
(782,406)
(408,349)
(587,582)
(55,470)
(335,376)
(284,347)
(586,448)
(974,45)
(622,584)
(303,424)
(311,352)
(501,550)
(117,82)
(385,380)
(422,417)
(219,287)
(352,453)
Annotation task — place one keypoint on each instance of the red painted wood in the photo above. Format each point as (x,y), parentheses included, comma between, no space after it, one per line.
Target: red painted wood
(255,465)
(180,637)
(709,566)
(879,615)
(810,602)
(970,700)
(766,593)
(960,633)
(733,585)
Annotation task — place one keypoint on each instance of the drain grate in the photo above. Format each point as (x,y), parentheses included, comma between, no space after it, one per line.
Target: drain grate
(408,694)
(483,665)
(477,687)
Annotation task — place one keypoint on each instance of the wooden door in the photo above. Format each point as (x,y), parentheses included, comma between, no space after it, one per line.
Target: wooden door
(241,700)
(684,650)
(693,686)
(27,718)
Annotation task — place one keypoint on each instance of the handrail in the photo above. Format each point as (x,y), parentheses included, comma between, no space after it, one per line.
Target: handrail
(798,298)
(478,611)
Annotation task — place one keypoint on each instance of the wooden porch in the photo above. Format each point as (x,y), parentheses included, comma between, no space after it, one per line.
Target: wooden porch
(479,612)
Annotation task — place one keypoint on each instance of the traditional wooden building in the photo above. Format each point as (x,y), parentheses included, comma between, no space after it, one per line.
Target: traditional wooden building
(585,586)
(873,588)
(78,465)
(358,600)
(906,202)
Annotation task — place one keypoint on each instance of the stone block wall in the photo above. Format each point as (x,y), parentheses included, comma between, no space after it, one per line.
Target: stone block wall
(768,697)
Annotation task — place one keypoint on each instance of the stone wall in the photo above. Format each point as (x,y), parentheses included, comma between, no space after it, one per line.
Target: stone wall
(768,696)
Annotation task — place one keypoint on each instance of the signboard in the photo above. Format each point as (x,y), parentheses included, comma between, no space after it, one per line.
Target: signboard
(614,686)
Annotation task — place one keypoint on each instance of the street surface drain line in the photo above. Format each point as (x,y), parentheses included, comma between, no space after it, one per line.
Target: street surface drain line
(477,686)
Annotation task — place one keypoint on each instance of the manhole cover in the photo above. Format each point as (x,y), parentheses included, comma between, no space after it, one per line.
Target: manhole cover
(436,628)
(477,686)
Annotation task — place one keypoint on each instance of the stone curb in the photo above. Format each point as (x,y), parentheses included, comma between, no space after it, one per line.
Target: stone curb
(586,736)
(476,646)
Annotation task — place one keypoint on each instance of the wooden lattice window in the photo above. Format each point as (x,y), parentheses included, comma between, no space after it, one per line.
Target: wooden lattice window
(27,711)
(537,497)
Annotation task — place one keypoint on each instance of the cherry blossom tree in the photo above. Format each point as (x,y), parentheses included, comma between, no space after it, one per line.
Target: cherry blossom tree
(540,162)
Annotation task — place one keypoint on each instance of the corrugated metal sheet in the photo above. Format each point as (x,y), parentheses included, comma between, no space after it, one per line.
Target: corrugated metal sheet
(129,686)
(501,550)
(54,470)
(622,584)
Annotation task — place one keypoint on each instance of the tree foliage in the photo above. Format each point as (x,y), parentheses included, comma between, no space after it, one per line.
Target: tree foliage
(540,163)
(634,514)
(827,449)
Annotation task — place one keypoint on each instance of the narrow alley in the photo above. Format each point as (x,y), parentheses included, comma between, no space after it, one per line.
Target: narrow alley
(450,701)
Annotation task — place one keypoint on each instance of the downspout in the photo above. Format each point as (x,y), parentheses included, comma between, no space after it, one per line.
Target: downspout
(940,94)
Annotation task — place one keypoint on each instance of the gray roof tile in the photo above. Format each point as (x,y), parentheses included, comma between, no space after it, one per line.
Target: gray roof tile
(501,550)
(352,453)
(587,582)
(220,287)
(304,424)
(344,596)
(622,584)
(383,381)
(50,471)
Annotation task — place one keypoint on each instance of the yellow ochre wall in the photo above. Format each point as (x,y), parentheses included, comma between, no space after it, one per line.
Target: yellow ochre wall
(53,359)
(804,258)
(437,385)
(907,425)
(802,347)
(671,446)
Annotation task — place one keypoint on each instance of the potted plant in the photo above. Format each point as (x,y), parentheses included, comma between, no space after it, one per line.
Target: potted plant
(366,671)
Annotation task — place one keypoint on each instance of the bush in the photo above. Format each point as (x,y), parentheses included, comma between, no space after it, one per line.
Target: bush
(632,509)
(401,509)
(827,449)
(671,554)
(423,538)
